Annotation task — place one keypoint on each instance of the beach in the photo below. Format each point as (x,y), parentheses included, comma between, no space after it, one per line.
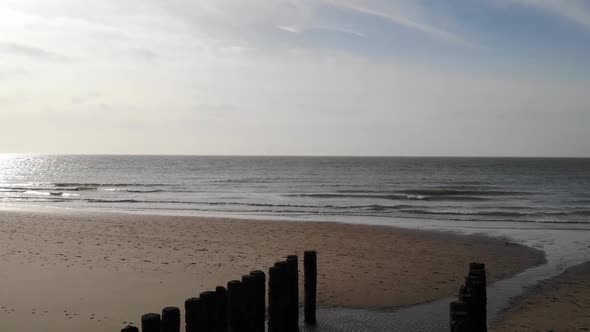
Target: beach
(558,304)
(68,270)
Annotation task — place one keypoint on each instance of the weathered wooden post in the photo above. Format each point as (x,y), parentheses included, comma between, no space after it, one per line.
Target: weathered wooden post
(475,284)
(293,279)
(170,319)
(259,299)
(310,271)
(285,295)
(192,314)
(477,273)
(209,312)
(130,328)
(249,292)
(469,313)
(274,319)
(235,292)
(150,322)
(221,299)
(458,317)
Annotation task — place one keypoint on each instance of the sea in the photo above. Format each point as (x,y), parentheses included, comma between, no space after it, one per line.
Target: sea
(539,202)
(521,190)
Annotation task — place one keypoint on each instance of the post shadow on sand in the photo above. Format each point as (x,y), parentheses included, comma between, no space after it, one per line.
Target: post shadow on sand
(242,306)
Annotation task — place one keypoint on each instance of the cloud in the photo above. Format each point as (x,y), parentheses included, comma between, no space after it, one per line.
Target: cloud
(142,53)
(393,15)
(10,73)
(297,29)
(275,77)
(214,108)
(572,10)
(290,28)
(31,52)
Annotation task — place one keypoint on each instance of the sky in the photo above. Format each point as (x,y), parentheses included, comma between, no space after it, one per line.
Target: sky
(286,77)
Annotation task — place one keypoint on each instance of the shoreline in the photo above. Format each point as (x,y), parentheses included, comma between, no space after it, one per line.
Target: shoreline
(108,257)
(560,303)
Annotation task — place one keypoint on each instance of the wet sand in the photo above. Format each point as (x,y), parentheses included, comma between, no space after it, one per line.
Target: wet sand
(559,304)
(72,270)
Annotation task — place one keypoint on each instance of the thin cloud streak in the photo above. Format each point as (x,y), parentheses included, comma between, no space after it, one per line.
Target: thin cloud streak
(298,29)
(399,20)
(571,10)
(31,52)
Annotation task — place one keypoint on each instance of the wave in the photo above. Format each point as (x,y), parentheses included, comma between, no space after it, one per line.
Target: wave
(570,213)
(115,201)
(500,213)
(41,193)
(402,197)
(131,190)
(456,192)
(469,213)
(370,207)
(103,187)
(96,184)
(439,192)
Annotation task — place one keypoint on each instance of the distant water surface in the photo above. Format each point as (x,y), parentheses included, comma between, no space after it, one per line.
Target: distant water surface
(462,189)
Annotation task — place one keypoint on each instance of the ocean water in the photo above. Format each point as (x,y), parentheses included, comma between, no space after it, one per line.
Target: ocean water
(544,191)
(475,189)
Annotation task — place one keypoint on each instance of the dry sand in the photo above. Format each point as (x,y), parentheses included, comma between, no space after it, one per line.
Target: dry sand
(559,304)
(74,271)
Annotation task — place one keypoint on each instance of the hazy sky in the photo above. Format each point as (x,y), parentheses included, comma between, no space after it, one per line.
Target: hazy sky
(319,77)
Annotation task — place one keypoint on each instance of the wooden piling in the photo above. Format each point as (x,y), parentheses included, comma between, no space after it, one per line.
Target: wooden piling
(209,312)
(469,313)
(293,280)
(150,322)
(249,292)
(259,301)
(273,299)
(284,295)
(130,328)
(235,292)
(171,319)
(193,314)
(310,271)
(458,317)
(221,299)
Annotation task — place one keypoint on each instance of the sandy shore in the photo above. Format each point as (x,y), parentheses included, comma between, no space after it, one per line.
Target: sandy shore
(66,271)
(558,304)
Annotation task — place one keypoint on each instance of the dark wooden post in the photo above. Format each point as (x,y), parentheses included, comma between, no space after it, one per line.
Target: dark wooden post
(469,313)
(284,295)
(249,291)
(150,323)
(259,299)
(170,319)
(293,271)
(273,299)
(221,297)
(209,311)
(130,328)
(235,292)
(477,272)
(193,314)
(458,317)
(310,271)
(476,283)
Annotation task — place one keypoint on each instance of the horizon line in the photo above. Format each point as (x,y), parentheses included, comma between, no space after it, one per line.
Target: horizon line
(291,156)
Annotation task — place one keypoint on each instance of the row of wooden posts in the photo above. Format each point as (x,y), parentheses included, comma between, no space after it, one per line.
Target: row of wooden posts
(468,314)
(241,307)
